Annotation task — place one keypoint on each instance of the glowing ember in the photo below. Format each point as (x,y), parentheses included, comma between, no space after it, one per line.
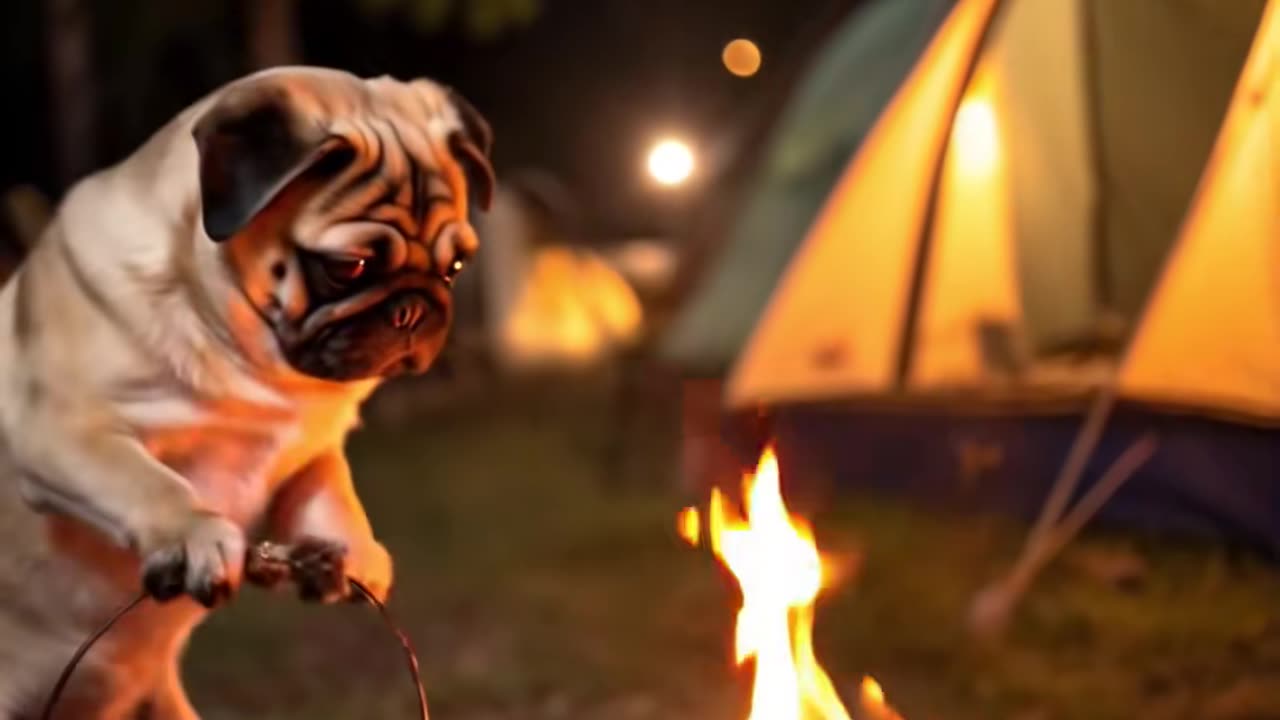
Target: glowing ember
(688,525)
(872,694)
(872,702)
(776,562)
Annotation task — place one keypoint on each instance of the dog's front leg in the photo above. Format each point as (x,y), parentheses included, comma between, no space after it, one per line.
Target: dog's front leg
(320,504)
(169,701)
(75,462)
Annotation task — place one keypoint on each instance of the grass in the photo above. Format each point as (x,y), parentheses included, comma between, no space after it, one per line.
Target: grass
(537,584)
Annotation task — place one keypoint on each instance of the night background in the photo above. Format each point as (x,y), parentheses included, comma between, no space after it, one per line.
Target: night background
(529,492)
(579,89)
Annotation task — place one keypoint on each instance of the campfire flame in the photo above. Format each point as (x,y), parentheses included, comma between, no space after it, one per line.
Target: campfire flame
(689,525)
(773,557)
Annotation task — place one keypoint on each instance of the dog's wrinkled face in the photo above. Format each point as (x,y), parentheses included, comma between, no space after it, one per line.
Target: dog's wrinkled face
(343,205)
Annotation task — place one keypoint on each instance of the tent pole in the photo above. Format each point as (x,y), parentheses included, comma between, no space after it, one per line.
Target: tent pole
(1104,292)
(1082,448)
(1120,471)
(993,606)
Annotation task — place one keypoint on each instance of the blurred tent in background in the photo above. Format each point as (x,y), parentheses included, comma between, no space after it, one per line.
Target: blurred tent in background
(545,300)
(1040,217)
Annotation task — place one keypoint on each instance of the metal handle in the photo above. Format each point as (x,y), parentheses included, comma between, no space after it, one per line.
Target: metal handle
(268,564)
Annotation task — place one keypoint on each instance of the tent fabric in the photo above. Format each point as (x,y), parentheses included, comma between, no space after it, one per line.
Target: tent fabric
(1158,112)
(1044,120)
(1208,480)
(1211,337)
(1090,157)
(1002,227)
(830,112)
(857,280)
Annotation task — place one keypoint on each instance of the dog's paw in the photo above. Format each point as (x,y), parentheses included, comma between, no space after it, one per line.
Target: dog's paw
(202,557)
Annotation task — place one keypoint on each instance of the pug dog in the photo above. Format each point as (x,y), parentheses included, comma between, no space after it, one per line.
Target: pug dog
(185,349)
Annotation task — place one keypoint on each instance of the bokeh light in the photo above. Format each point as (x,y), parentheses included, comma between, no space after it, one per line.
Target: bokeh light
(741,57)
(975,137)
(671,162)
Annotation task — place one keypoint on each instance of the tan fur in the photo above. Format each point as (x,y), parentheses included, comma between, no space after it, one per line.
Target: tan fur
(145,405)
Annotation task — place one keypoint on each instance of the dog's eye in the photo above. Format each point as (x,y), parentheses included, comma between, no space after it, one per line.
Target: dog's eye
(344,270)
(454,268)
(451,272)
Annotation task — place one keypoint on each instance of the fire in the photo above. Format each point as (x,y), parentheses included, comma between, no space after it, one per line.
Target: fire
(688,525)
(775,560)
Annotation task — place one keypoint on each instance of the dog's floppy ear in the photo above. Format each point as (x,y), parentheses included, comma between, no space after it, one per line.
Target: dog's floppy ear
(472,147)
(252,144)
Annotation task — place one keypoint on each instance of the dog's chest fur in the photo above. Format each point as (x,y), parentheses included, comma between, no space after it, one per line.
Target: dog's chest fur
(236,456)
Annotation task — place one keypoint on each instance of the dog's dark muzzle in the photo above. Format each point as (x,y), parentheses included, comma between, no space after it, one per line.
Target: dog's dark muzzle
(407,311)
(402,333)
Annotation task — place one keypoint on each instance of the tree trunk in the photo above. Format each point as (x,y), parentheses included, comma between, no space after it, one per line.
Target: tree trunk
(273,35)
(72,91)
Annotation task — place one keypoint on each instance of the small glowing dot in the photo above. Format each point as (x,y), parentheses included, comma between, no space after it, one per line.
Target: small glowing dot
(741,57)
(457,266)
(670,162)
(689,525)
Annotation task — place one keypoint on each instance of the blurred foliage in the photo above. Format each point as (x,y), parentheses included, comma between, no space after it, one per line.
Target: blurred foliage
(480,19)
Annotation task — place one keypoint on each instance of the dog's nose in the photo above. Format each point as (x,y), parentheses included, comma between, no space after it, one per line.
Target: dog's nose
(406,312)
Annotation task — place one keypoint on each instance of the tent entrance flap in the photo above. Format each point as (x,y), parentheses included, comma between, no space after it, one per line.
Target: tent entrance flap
(1070,168)
(1210,337)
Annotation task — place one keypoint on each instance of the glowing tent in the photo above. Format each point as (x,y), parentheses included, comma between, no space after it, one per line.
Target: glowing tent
(1011,211)
(1064,202)
(543,302)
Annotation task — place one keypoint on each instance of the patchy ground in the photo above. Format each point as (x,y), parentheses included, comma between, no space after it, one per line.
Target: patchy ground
(538,585)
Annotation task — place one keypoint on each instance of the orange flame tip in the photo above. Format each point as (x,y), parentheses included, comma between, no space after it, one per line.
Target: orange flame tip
(689,525)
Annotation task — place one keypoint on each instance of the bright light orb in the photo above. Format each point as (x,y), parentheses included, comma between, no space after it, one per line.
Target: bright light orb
(976,137)
(670,162)
(741,57)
